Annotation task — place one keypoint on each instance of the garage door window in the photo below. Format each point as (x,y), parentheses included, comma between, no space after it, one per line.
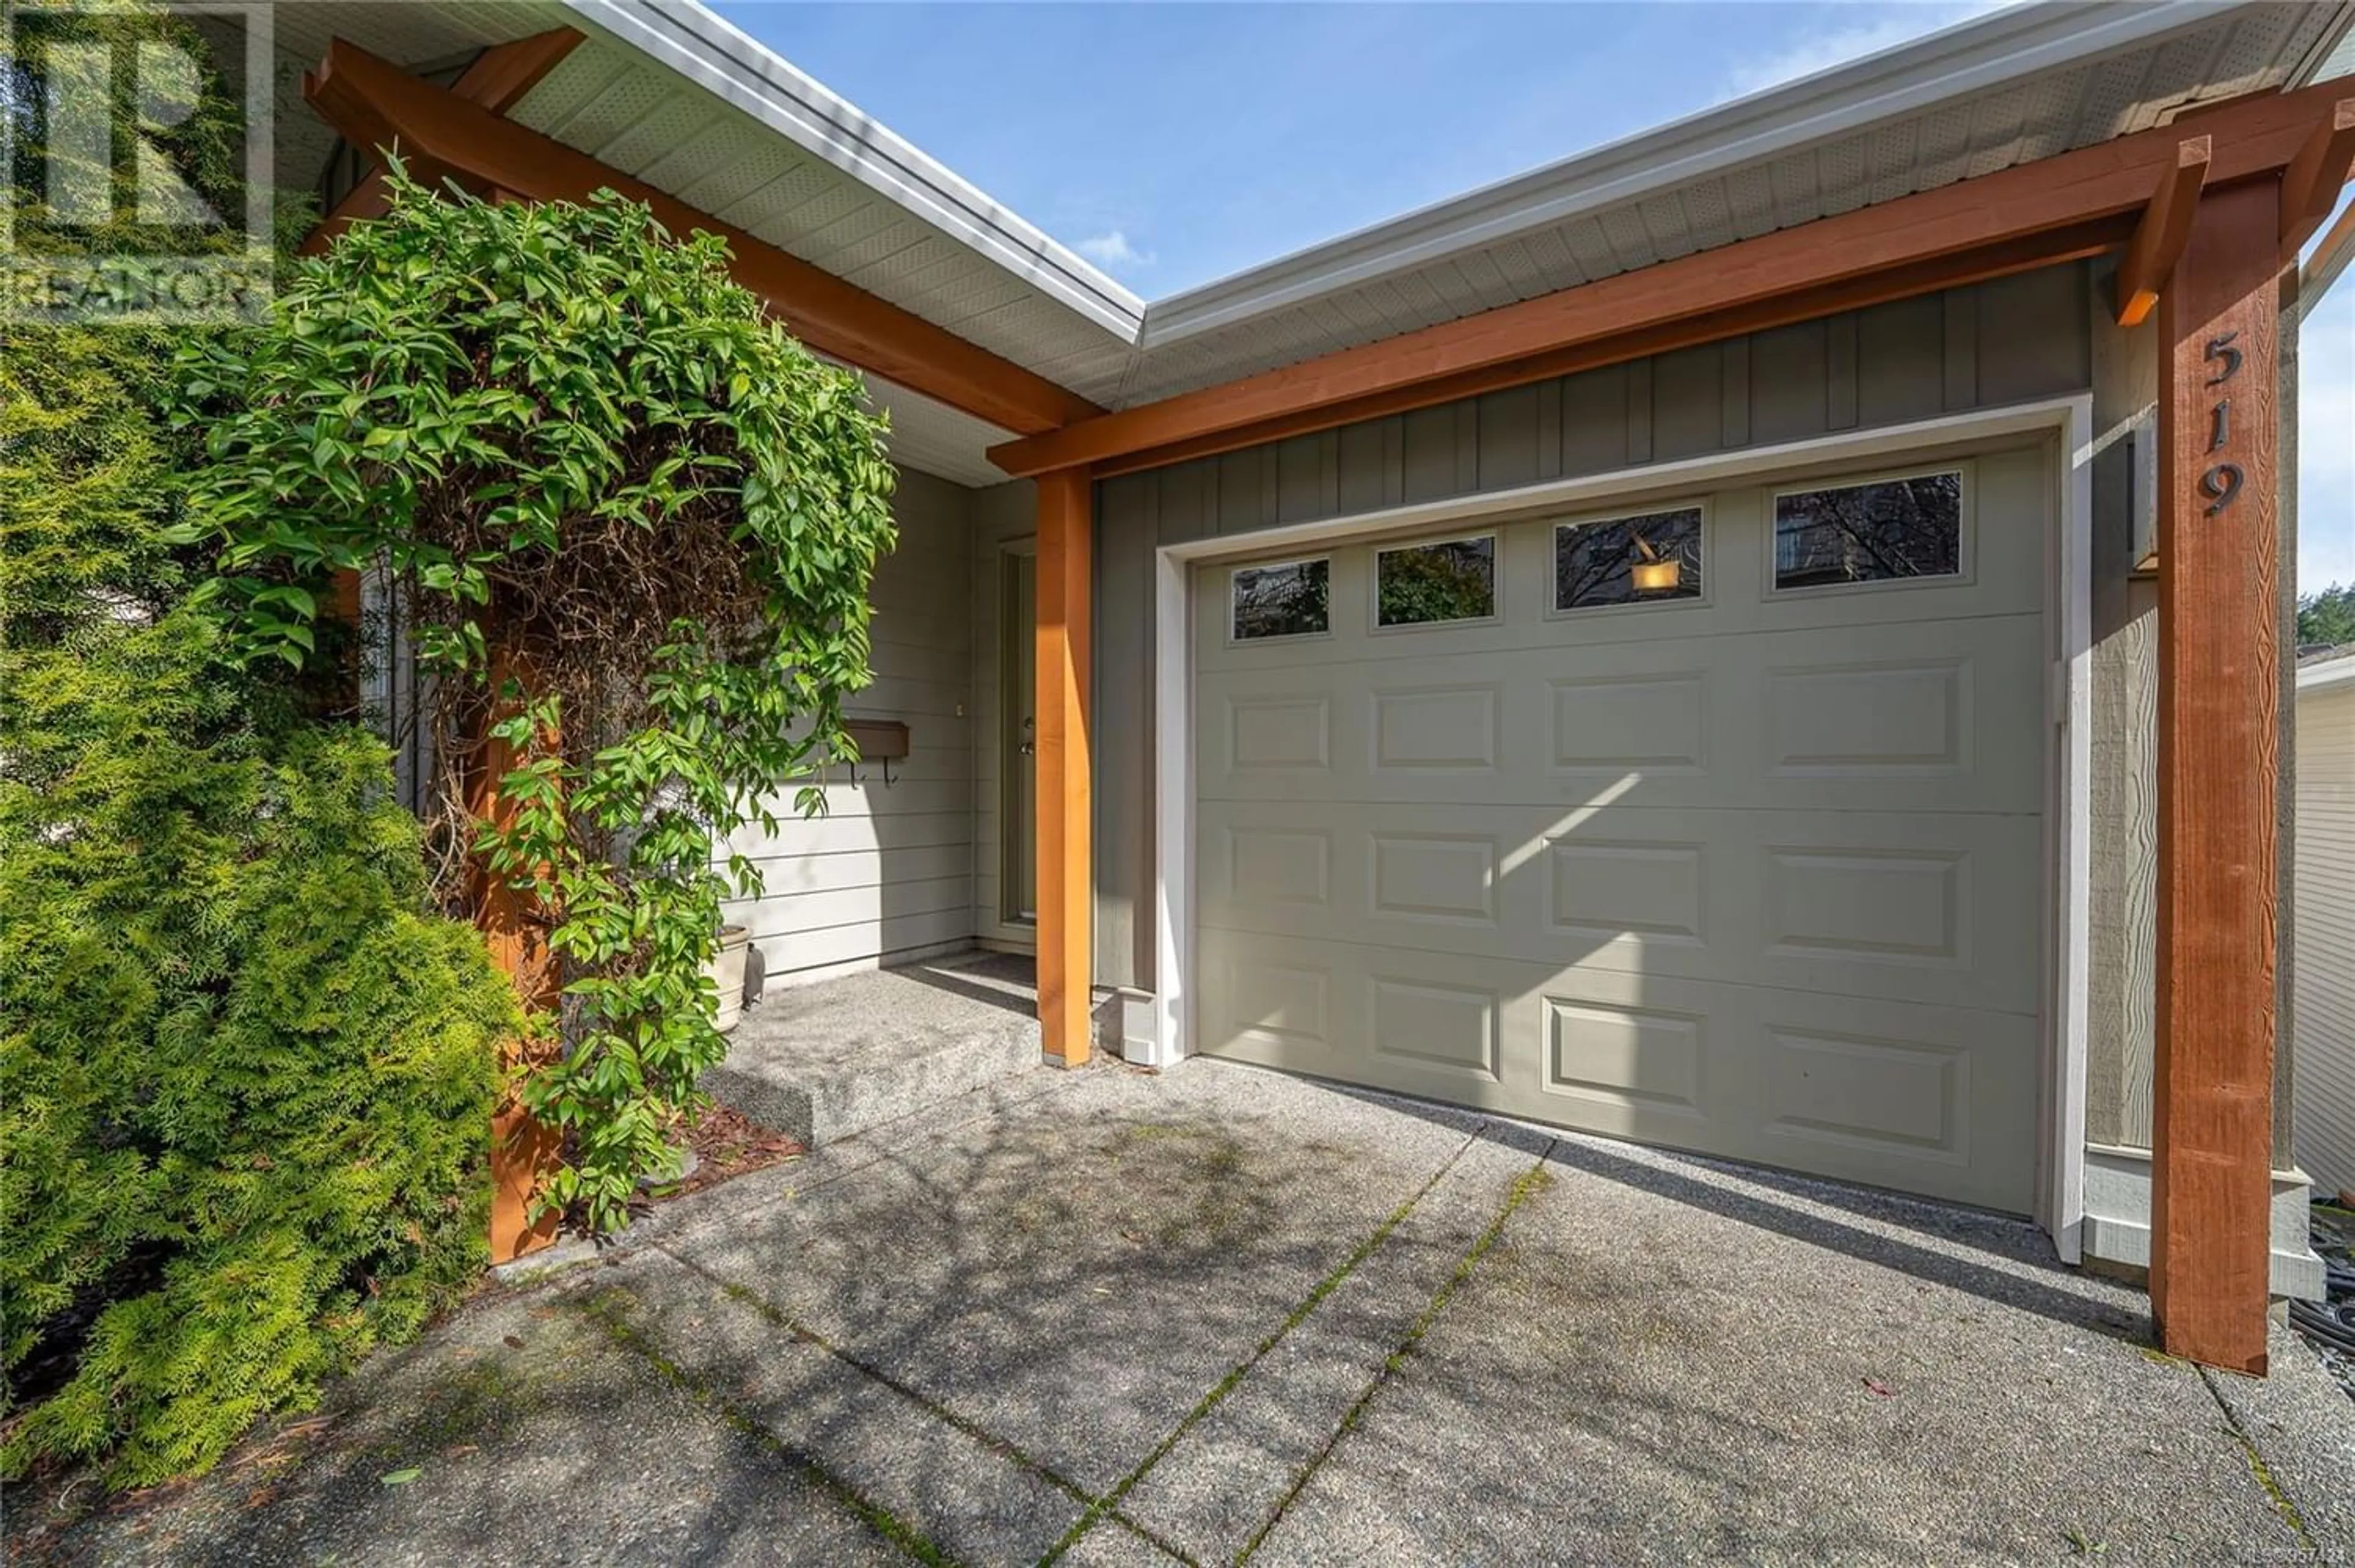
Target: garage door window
(1292,599)
(1648,559)
(1427,584)
(1884,530)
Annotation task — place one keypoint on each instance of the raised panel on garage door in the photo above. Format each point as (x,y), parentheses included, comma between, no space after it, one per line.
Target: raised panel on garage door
(1916,715)
(1910,906)
(1757,875)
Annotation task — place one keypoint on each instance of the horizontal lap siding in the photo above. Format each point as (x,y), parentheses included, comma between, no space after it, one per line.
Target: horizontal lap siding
(887,872)
(2323,962)
(2007,341)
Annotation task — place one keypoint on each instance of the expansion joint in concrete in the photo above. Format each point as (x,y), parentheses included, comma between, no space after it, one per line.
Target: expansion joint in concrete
(1109,1504)
(907,1537)
(2257,1465)
(1527,1182)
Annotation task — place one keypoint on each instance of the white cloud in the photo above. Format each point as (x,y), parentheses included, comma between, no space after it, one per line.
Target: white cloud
(1807,53)
(1112,249)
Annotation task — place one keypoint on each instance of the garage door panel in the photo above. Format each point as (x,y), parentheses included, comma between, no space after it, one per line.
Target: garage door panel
(1413,1021)
(1756,874)
(1927,1099)
(1925,717)
(1921,906)
(1897,1094)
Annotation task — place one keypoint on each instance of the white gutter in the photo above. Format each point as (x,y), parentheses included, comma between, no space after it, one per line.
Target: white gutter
(2325,675)
(2008,46)
(744,73)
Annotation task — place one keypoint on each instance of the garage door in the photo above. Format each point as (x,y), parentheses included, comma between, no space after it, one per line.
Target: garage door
(1709,822)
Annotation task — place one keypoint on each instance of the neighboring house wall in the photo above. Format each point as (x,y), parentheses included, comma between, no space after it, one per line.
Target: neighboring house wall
(2323,953)
(2007,341)
(887,875)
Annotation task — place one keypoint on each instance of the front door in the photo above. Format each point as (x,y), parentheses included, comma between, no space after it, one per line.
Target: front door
(1020,787)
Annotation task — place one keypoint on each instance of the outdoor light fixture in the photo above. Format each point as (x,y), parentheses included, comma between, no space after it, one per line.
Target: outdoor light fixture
(1653,574)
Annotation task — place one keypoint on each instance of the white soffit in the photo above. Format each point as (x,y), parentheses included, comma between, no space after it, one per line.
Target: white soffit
(2010,87)
(667,93)
(428,39)
(2326,674)
(929,435)
(671,94)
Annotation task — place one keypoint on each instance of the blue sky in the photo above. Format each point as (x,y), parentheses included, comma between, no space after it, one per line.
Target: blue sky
(1174,144)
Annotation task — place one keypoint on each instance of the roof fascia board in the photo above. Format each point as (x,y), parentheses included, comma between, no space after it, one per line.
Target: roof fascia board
(2327,675)
(741,72)
(2010,45)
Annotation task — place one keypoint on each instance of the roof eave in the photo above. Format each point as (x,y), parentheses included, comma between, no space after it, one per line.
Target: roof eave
(722,58)
(2327,675)
(2009,44)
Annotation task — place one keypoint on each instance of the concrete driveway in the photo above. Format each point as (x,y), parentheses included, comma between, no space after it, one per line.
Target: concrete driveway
(1117,1317)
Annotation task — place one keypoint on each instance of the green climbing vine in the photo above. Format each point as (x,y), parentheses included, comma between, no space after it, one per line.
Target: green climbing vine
(630,525)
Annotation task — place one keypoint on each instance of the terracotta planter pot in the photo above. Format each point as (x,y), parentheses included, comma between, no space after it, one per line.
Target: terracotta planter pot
(727,972)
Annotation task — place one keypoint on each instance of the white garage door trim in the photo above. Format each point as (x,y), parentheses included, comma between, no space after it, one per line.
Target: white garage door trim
(2060,1186)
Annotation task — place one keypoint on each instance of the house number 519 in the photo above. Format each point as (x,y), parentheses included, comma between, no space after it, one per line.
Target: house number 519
(2222,482)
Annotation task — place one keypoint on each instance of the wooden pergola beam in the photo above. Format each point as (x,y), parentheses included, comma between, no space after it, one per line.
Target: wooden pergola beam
(2075,243)
(2329,258)
(2310,185)
(2158,237)
(2219,744)
(2049,197)
(1065,791)
(375,104)
(499,79)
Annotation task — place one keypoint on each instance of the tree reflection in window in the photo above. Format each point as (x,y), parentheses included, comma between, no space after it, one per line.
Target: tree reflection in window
(1644,560)
(1453,580)
(1870,533)
(1292,600)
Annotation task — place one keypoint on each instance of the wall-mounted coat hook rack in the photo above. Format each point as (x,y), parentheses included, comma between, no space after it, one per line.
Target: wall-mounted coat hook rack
(883,741)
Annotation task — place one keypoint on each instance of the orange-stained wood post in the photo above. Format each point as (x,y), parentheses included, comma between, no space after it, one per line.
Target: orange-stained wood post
(1065,843)
(347,605)
(2219,738)
(522,1151)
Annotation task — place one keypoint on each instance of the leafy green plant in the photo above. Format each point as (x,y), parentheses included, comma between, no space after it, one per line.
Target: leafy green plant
(246,1070)
(632,523)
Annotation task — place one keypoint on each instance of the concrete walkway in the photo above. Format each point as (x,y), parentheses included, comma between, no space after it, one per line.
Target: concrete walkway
(1113,1318)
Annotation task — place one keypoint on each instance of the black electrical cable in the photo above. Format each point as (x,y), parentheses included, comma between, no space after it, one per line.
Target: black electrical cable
(2323,1324)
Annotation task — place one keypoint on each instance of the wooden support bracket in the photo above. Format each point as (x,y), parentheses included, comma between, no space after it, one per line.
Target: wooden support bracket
(497,81)
(2158,238)
(2311,183)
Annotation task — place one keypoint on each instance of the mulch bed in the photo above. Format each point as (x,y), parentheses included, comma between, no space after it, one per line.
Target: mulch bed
(728,1144)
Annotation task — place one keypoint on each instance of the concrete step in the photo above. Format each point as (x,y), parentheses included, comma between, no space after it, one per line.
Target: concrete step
(825,1062)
